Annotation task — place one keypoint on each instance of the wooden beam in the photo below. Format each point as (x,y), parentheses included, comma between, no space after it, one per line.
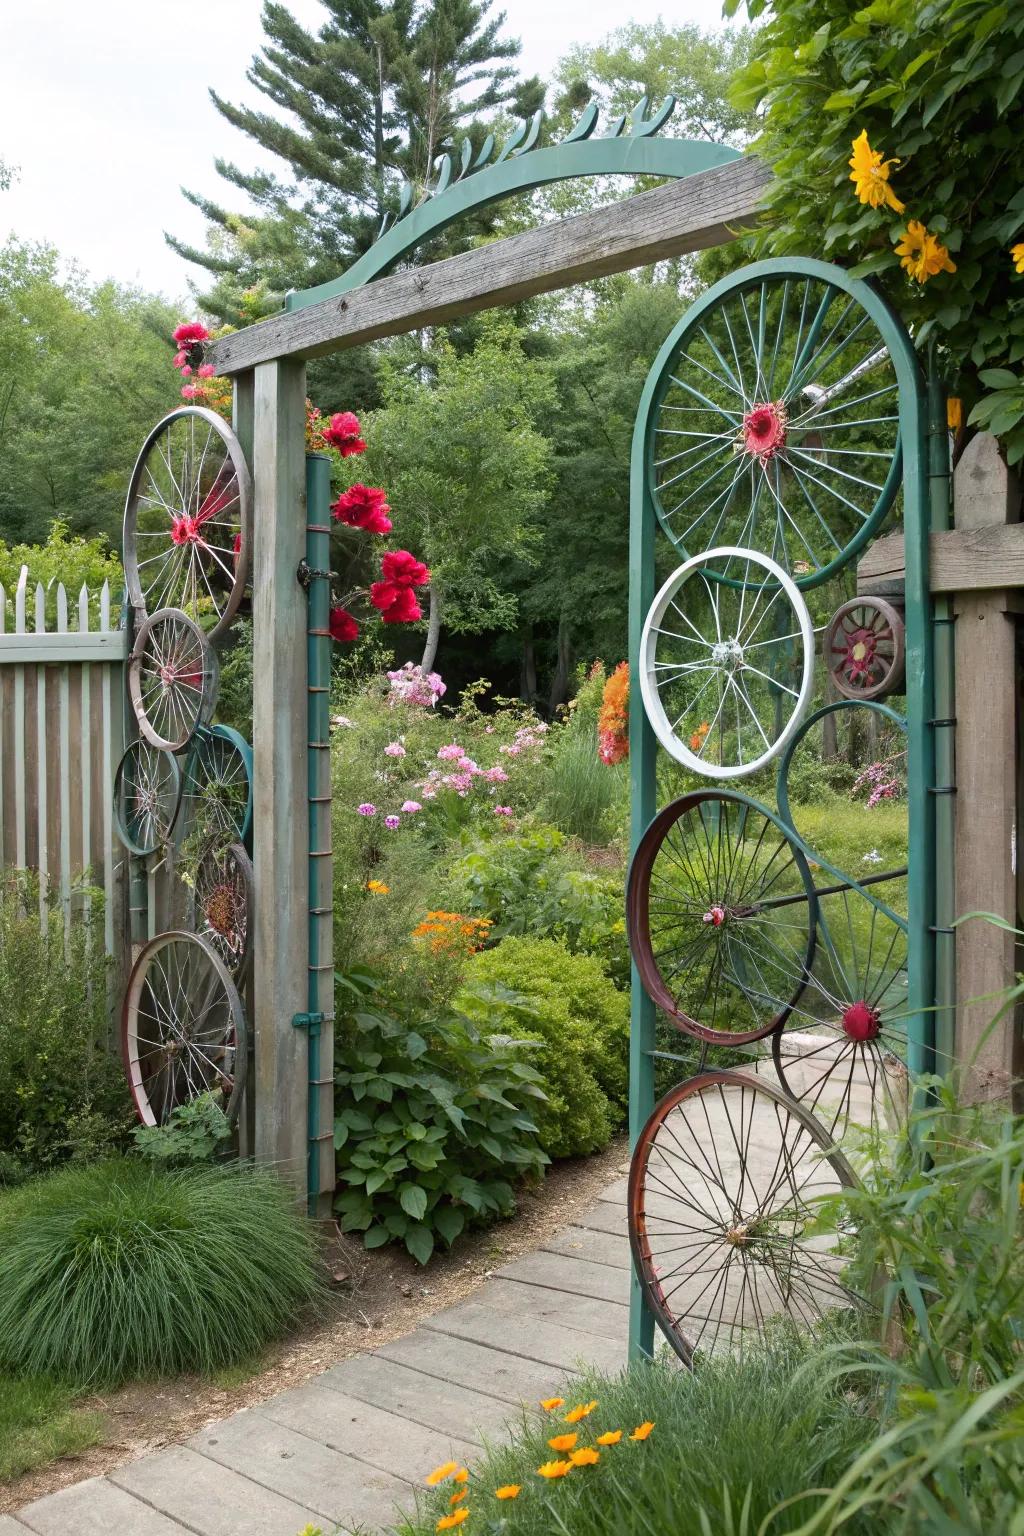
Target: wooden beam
(280,819)
(965,559)
(685,215)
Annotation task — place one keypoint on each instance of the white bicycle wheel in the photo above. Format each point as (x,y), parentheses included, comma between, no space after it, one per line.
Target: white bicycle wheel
(727,662)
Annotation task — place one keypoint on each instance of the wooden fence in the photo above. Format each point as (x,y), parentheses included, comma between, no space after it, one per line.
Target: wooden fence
(61,736)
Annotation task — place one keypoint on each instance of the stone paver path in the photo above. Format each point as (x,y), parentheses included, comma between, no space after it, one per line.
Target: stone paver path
(349,1447)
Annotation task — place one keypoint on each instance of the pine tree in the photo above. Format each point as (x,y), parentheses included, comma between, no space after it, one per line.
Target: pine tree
(373,98)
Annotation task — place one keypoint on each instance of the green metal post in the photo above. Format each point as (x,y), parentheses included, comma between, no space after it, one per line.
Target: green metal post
(320,963)
(943,648)
(642,779)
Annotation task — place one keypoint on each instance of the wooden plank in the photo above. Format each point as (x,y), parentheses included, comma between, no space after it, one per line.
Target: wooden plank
(546,1339)
(986,501)
(64,769)
(685,215)
(576,1277)
(53,649)
(420,1398)
(111,728)
(209,1499)
(43,854)
(486,1370)
(600,1247)
(95,1507)
(964,559)
(279,747)
(516,1299)
(243,411)
(20,723)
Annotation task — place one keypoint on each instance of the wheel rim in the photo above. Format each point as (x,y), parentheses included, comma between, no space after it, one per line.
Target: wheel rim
(172,679)
(721,916)
(864,648)
(726,662)
(183,1028)
(217,786)
(726,1178)
(147,792)
(775,425)
(223,906)
(187,520)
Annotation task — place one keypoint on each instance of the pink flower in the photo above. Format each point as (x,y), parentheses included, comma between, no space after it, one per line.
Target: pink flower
(180,358)
(411,807)
(503,810)
(467,765)
(462,783)
(206,370)
(428,792)
(391,822)
(366,809)
(344,433)
(394,749)
(363,506)
(496,776)
(450,754)
(188,334)
(191,391)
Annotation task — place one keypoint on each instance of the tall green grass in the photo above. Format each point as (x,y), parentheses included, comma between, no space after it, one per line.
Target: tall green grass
(580,791)
(39,1422)
(123,1270)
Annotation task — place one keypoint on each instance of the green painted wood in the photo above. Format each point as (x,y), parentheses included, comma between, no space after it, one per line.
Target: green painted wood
(630,156)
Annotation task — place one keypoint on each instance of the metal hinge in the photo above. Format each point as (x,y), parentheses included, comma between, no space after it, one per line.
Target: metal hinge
(311,1021)
(307,574)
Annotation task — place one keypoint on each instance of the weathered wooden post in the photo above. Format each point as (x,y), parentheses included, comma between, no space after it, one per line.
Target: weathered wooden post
(986,498)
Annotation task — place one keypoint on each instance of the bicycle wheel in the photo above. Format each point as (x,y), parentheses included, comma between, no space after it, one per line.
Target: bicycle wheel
(726,665)
(216,792)
(725,1185)
(172,679)
(721,917)
(223,904)
(182,1028)
(187,520)
(147,793)
(774,423)
(865,648)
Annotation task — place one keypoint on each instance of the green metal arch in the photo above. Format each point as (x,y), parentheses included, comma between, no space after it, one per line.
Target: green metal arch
(633,155)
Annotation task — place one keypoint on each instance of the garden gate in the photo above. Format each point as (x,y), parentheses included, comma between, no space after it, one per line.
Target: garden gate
(712,194)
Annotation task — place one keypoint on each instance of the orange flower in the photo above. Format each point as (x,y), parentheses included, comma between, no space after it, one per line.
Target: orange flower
(461,1476)
(586,1456)
(869,173)
(509,1491)
(954,413)
(563,1442)
(550,1403)
(921,254)
(440,1473)
(642,1430)
(610,1437)
(699,736)
(457,1498)
(378,888)
(1017,253)
(554,1469)
(449,1522)
(613,718)
(574,1416)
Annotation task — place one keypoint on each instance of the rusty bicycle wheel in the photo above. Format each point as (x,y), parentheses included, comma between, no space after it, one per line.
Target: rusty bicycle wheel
(721,916)
(726,1186)
(865,648)
(223,904)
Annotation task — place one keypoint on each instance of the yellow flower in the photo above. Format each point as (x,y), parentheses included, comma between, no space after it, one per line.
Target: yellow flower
(378,887)
(1017,253)
(870,175)
(457,1498)
(554,1469)
(954,413)
(922,254)
(581,1412)
(449,1522)
(563,1442)
(550,1403)
(461,1476)
(586,1456)
(610,1437)
(642,1430)
(440,1473)
(509,1491)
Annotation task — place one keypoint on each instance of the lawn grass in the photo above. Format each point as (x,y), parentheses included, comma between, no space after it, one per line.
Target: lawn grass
(39,1422)
(736,1435)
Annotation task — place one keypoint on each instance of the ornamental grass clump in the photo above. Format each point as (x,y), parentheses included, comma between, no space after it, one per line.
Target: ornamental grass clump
(124,1270)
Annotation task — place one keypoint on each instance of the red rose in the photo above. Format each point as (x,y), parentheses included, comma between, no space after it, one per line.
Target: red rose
(403,569)
(363,506)
(404,610)
(187,335)
(343,626)
(343,433)
(383,594)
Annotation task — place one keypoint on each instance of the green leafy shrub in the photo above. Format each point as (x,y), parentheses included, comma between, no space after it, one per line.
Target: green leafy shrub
(195,1132)
(532,884)
(64,558)
(123,1269)
(432,1121)
(583,1020)
(62,1091)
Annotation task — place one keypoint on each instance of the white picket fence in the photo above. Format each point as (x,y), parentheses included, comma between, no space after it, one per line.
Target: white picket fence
(61,737)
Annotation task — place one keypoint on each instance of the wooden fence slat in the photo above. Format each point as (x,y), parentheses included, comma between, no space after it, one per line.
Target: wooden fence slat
(64,768)
(20,809)
(43,855)
(3,733)
(86,739)
(111,716)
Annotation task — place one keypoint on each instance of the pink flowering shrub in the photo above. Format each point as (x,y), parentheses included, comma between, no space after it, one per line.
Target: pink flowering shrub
(881,781)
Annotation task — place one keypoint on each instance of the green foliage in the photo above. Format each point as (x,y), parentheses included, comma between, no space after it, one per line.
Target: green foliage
(63,558)
(581,792)
(532,884)
(433,1118)
(938,86)
(62,1092)
(39,1423)
(123,1269)
(234,698)
(196,1132)
(84,373)
(730,1443)
(583,1020)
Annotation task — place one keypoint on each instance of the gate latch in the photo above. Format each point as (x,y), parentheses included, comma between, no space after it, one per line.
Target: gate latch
(310,1021)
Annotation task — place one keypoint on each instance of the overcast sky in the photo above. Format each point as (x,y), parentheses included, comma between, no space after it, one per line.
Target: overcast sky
(104,110)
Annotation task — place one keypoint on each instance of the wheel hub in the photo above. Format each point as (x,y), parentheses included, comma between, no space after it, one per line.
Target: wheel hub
(739,1236)
(727,654)
(859,656)
(861,1022)
(763,433)
(715,916)
(186,530)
